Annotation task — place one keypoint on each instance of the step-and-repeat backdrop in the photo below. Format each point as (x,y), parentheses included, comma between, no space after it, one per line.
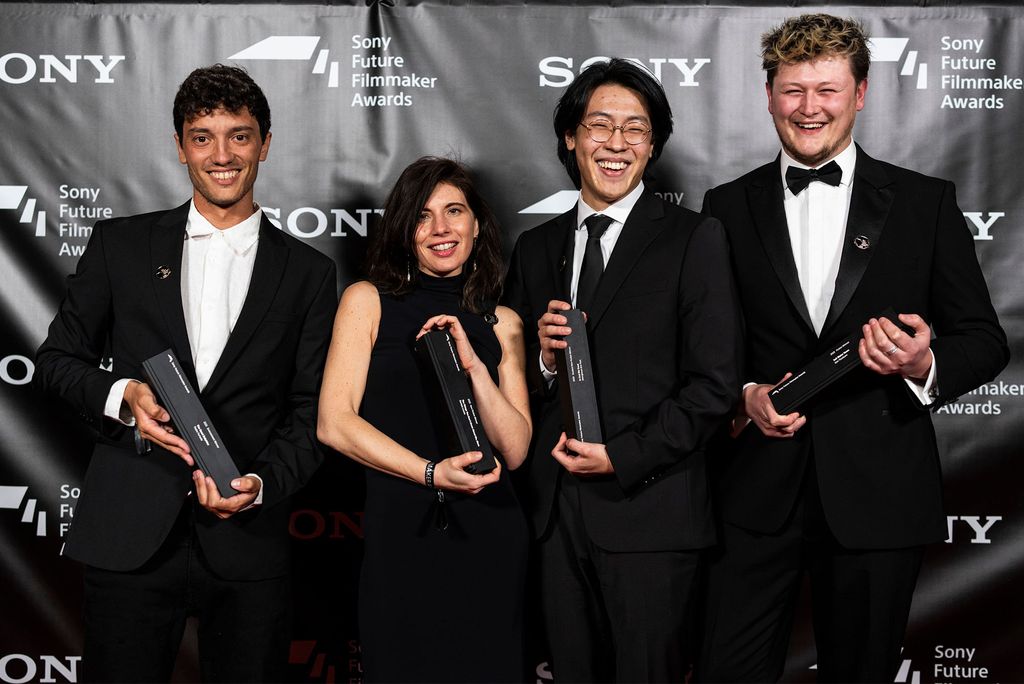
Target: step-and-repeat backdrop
(357,92)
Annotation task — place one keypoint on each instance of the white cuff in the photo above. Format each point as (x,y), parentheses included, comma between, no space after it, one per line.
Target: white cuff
(115,408)
(929,391)
(258,501)
(548,376)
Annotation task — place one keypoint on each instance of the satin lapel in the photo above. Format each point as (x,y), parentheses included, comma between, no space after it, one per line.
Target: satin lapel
(167,239)
(560,245)
(869,206)
(267,271)
(642,226)
(765,195)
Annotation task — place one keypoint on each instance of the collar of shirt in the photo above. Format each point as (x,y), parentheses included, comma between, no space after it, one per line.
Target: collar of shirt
(816,221)
(239,237)
(847,160)
(619,211)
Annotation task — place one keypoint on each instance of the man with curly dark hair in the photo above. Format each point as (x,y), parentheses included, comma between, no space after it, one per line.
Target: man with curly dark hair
(847,485)
(247,310)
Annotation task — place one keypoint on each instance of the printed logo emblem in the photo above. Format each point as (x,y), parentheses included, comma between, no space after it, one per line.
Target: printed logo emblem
(307,653)
(891,50)
(12,498)
(11,197)
(904,674)
(379,77)
(294,49)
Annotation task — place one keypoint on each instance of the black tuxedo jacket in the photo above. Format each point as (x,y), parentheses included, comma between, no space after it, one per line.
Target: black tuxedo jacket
(665,343)
(872,440)
(262,395)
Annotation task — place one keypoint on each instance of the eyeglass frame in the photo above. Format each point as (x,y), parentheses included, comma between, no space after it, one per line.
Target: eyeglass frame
(621,128)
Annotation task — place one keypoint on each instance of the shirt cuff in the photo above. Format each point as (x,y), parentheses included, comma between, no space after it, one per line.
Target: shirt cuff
(549,376)
(740,420)
(258,501)
(929,391)
(115,408)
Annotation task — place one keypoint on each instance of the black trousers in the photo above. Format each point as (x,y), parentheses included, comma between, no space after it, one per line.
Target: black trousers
(134,621)
(611,616)
(860,601)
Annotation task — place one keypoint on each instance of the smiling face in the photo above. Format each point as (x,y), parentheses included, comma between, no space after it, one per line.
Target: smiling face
(223,151)
(814,105)
(612,169)
(445,232)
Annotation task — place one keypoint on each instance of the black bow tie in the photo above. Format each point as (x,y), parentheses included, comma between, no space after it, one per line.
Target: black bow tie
(798,179)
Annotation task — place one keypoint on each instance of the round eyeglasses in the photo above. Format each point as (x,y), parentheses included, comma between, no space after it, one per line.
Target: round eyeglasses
(601,131)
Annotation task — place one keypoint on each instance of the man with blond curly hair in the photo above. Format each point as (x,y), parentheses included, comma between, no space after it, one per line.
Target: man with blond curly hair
(846,486)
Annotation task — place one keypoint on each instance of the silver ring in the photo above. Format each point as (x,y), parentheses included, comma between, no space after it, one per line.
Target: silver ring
(892,351)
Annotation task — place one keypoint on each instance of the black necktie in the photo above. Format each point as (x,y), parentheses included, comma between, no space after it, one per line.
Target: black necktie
(798,179)
(593,261)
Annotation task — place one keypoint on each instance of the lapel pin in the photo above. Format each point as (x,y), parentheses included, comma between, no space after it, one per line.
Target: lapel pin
(163,272)
(861,242)
(561,263)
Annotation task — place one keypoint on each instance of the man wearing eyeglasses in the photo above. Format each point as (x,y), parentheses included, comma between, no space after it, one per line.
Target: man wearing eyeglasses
(619,524)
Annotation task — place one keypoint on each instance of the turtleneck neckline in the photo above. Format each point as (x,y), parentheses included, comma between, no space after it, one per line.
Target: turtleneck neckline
(450,284)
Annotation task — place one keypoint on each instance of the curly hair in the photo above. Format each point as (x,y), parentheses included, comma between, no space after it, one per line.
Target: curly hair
(810,36)
(220,86)
(390,258)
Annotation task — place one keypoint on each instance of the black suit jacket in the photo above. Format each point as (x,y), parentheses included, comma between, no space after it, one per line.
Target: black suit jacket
(665,342)
(262,395)
(872,440)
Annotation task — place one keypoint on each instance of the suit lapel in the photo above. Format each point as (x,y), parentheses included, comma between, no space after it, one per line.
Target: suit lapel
(267,271)
(165,249)
(869,206)
(560,245)
(642,226)
(765,195)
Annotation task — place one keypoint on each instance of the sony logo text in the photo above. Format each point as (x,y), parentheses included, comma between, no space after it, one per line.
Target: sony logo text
(311,222)
(16,369)
(18,668)
(17,68)
(982,225)
(557,72)
(976,528)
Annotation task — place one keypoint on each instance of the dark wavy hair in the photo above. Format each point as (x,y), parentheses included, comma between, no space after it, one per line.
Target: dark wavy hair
(812,36)
(212,87)
(573,105)
(390,260)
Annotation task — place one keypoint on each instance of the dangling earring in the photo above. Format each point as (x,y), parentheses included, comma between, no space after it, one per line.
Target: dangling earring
(408,271)
(472,266)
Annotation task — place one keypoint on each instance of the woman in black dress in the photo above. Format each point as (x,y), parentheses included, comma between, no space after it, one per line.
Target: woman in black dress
(441,588)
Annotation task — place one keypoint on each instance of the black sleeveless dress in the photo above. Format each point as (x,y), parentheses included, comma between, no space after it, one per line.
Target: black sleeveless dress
(435,605)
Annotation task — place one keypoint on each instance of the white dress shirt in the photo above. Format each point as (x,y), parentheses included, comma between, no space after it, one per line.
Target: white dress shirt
(618,213)
(216,267)
(817,224)
(817,227)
